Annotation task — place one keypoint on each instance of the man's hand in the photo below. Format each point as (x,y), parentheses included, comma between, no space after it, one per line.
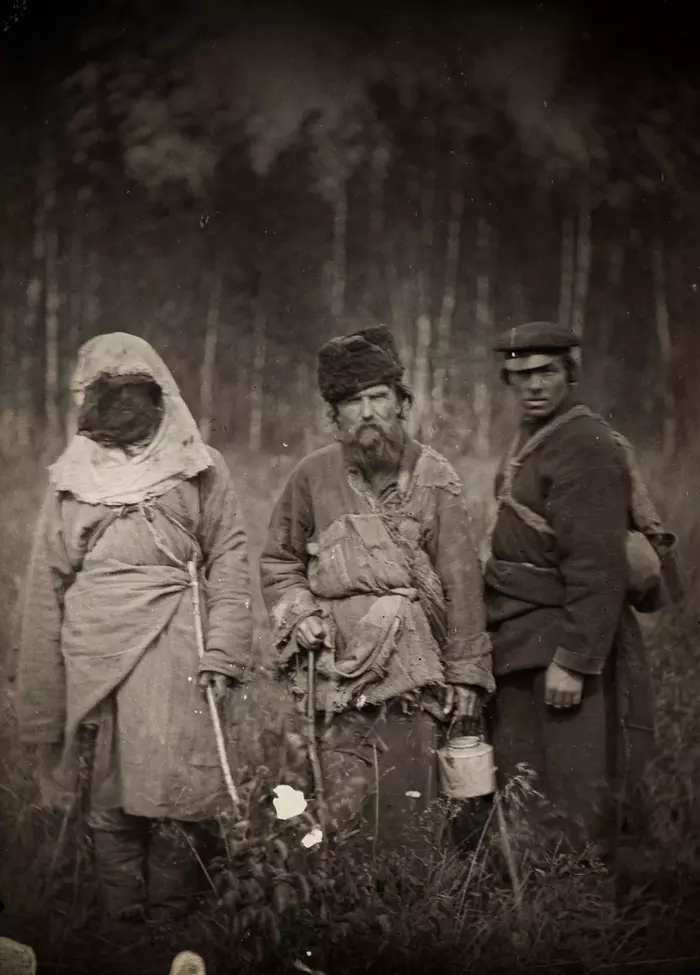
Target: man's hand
(219,683)
(562,688)
(462,702)
(312,633)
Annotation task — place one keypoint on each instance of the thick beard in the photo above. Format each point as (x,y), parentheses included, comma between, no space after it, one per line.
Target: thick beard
(381,456)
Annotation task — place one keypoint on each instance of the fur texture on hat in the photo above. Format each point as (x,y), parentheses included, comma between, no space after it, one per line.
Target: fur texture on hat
(351,363)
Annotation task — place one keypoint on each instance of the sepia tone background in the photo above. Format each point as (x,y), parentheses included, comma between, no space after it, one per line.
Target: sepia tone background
(236,186)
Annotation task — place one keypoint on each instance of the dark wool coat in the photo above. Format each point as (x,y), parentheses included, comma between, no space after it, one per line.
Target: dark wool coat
(577,481)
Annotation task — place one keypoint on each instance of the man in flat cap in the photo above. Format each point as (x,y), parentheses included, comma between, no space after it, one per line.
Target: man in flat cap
(369,564)
(573,695)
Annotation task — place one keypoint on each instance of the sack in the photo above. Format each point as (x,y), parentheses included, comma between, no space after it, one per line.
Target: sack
(644,567)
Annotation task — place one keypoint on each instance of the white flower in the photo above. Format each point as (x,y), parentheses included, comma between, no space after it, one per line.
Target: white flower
(289,802)
(312,838)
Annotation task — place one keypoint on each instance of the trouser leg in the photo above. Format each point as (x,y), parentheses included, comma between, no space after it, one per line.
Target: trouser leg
(121,843)
(516,734)
(569,749)
(174,872)
(579,755)
(380,769)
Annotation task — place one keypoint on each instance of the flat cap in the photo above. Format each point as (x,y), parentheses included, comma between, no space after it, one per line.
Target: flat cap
(537,337)
(534,345)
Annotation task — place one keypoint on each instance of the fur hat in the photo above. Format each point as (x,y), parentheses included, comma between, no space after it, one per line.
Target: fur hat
(351,363)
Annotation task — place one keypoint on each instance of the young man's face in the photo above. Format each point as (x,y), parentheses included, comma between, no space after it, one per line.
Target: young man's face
(541,391)
(369,416)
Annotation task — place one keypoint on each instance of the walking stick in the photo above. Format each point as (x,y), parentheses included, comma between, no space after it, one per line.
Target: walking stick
(213,710)
(311,742)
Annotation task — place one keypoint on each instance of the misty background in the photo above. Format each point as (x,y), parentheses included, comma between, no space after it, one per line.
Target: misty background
(239,186)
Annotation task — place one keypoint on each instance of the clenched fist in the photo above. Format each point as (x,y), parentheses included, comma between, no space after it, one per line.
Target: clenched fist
(312,633)
(562,688)
(219,683)
(462,702)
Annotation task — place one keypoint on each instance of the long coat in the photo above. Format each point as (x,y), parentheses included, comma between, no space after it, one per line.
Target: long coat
(108,638)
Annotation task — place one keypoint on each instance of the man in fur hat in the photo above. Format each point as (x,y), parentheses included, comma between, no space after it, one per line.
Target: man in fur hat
(573,696)
(369,565)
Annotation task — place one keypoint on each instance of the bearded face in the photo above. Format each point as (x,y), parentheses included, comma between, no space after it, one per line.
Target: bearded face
(370,426)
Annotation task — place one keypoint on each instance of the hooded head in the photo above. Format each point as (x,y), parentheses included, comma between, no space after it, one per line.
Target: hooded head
(125,394)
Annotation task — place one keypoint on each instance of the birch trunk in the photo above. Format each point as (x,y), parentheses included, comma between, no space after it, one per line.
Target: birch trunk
(400,305)
(53,303)
(566,282)
(208,370)
(77,281)
(449,297)
(257,375)
(424,323)
(35,292)
(663,335)
(420,424)
(584,250)
(9,360)
(377,218)
(483,406)
(340,231)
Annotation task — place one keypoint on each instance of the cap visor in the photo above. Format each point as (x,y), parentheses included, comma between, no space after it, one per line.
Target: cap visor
(525,362)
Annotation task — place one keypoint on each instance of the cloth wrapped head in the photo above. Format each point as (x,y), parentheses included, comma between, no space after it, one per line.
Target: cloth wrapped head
(92,471)
(536,344)
(351,363)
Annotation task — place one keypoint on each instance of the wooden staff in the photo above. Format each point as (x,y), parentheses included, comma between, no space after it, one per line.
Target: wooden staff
(213,710)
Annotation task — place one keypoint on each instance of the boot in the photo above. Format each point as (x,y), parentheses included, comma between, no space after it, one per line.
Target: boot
(174,873)
(120,855)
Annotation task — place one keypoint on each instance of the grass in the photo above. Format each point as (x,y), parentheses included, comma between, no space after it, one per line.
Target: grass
(269,905)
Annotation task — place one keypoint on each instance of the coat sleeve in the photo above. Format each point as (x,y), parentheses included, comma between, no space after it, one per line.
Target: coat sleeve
(588,508)
(284,561)
(229,631)
(467,656)
(41,682)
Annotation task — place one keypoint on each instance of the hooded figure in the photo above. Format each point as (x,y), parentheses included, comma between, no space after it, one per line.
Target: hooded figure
(108,649)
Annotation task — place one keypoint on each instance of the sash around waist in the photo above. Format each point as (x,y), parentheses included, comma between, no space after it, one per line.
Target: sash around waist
(525,582)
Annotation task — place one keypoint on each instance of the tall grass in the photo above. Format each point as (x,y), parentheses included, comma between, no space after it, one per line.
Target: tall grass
(270,905)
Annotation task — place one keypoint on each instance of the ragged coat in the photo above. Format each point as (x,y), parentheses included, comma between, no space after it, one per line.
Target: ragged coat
(404,602)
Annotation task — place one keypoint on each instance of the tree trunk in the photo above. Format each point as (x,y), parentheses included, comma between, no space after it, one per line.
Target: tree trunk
(53,303)
(208,369)
(77,281)
(584,249)
(607,317)
(483,407)
(420,420)
(257,377)
(340,232)
(449,295)
(9,360)
(663,335)
(377,218)
(400,305)
(566,279)
(35,291)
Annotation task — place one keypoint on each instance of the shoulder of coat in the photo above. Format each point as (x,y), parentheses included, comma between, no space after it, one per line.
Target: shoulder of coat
(320,459)
(435,470)
(582,441)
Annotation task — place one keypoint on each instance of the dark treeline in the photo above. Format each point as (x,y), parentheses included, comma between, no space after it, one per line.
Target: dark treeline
(238,195)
